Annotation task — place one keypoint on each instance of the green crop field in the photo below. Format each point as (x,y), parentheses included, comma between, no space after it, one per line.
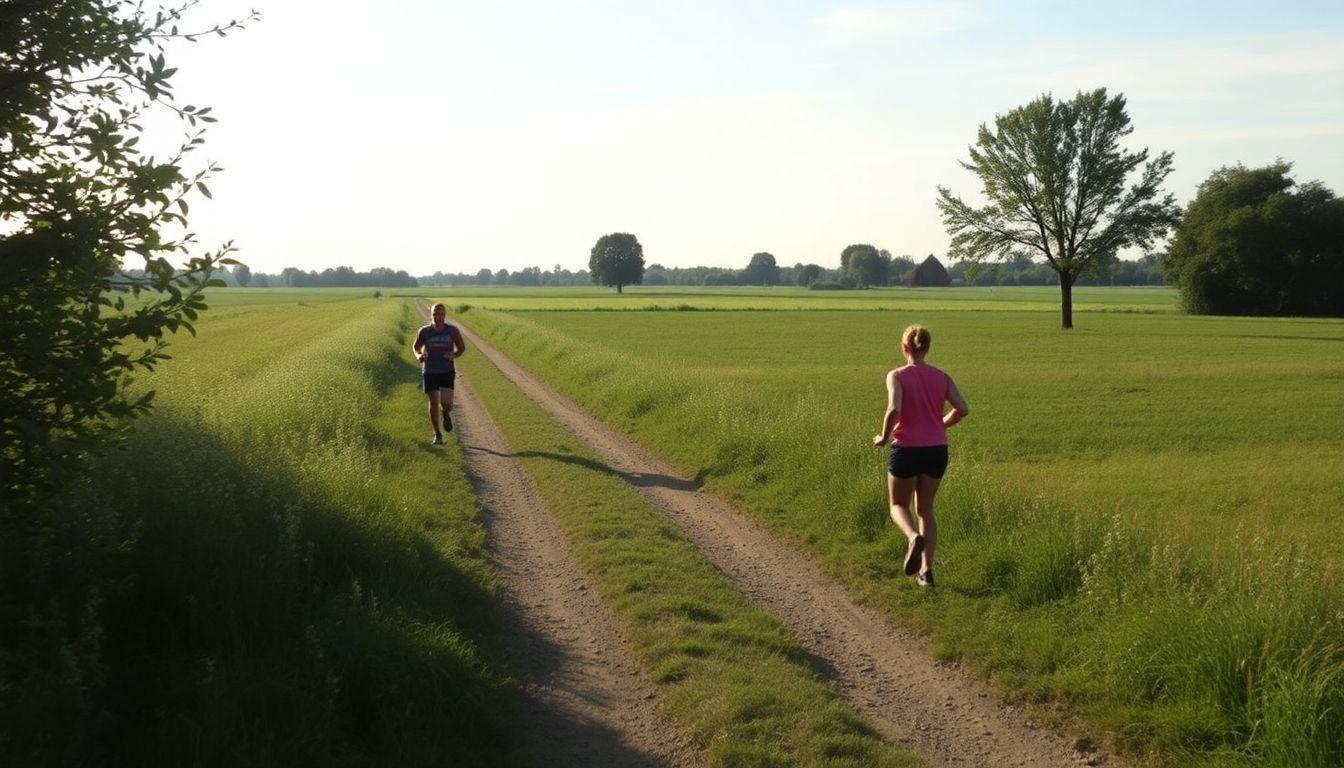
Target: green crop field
(301,580)
(1046,298)
(1139,528)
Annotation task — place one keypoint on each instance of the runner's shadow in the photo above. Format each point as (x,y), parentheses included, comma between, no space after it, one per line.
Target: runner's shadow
(637,479)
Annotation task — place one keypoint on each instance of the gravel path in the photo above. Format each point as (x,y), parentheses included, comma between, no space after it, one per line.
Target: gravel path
(585,699)
(887,673)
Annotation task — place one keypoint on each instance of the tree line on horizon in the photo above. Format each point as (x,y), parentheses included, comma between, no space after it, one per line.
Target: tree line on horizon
(763,270)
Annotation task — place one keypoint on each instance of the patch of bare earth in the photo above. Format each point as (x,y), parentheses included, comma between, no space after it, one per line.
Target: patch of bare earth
(585,700)
(887,673)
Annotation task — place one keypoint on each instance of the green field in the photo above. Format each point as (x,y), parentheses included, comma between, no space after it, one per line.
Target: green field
(1137,532)
(639,297)
(1138,526)
(296,579)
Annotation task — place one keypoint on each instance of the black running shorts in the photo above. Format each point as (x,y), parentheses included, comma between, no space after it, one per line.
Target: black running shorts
(907,461)
(436,381)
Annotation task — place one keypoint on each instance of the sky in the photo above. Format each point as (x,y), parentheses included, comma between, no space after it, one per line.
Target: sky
(450,136)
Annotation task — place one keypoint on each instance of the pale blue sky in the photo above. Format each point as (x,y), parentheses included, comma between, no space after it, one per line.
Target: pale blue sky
(451,136)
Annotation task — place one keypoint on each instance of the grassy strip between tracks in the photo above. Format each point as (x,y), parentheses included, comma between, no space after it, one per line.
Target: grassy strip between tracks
(302,581)
(729,671)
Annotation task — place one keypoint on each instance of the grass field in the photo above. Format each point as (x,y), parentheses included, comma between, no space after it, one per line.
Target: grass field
(303,581)
(1138,526)
(640,297)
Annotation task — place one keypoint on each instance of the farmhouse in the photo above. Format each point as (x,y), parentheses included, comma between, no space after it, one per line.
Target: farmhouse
(931,273)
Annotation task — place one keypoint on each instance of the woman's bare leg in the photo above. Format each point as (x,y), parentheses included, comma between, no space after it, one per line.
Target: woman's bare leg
(899,490)
(926,489)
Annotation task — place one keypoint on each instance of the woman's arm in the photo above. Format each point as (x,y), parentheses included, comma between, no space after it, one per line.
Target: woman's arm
(960,409)
(893,413)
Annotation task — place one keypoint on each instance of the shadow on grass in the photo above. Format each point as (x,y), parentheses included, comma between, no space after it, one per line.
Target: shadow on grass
(271,620)
(637,479)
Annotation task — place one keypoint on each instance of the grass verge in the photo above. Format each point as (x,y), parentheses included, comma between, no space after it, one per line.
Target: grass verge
(301,582)
(730,672)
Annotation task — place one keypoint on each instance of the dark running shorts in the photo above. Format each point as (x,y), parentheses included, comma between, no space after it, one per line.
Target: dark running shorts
(909,461)
(436,381)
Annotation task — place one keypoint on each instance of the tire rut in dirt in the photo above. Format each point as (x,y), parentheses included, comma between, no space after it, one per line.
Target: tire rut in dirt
(584,698)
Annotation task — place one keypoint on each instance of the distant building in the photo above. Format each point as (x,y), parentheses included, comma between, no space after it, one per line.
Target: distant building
(929,274)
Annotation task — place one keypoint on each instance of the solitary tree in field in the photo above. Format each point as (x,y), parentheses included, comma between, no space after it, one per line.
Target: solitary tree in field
(1055,176)
(617,259)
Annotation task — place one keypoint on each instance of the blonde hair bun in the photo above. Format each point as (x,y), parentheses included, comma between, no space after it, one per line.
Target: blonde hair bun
(917,339)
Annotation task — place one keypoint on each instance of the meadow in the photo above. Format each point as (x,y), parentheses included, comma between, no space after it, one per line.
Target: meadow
(1138,527)
(669,297)
(296,578)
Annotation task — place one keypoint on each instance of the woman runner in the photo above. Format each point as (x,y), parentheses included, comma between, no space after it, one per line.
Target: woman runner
(436,346)
(916,428)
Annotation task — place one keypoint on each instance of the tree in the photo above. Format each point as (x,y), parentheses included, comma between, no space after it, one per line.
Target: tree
(617,259)
(78,200)
(483,276)
(98,269)
(808,274)
(242,274)
(1054,175)
(865,264)
(1253,242)
(761,270)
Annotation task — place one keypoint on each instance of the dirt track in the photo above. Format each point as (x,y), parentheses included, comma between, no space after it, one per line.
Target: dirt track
(585,700)
(888,674)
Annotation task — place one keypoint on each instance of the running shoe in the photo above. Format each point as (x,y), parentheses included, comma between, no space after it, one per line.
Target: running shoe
(925,579)
(447,423)
(913,552)
(438,439)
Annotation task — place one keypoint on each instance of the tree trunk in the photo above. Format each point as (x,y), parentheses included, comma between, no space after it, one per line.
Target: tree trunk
(1066,300)
(618,288)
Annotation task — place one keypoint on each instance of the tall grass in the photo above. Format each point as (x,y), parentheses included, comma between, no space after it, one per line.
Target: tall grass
(301,585)
(1211,649)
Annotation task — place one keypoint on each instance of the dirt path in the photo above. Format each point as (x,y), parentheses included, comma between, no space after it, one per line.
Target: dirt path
(585,700)
(887,673)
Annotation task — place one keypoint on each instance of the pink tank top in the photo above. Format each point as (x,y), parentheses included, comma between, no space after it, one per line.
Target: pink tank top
(923,392)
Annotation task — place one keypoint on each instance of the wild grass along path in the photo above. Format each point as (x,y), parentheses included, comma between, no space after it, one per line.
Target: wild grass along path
(886,673)
(585,699)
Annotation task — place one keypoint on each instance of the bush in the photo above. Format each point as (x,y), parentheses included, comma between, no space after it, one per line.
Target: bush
(1253,242)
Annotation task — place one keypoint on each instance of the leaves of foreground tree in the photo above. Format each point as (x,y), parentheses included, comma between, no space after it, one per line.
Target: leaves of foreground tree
(1054,175)
(96,267)
(91,225)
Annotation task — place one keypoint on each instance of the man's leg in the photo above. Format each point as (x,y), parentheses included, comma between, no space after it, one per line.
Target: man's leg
(446,403)
(433,396)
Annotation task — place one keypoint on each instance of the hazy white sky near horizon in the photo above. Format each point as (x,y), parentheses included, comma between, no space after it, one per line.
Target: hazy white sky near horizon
(450,136)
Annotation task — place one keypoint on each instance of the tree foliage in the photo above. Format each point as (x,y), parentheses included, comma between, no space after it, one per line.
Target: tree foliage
(761,270)
(97,267)
(864,264)
(808,274)
(1253,242)
(80,201)
(617,260)
(1054,175)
